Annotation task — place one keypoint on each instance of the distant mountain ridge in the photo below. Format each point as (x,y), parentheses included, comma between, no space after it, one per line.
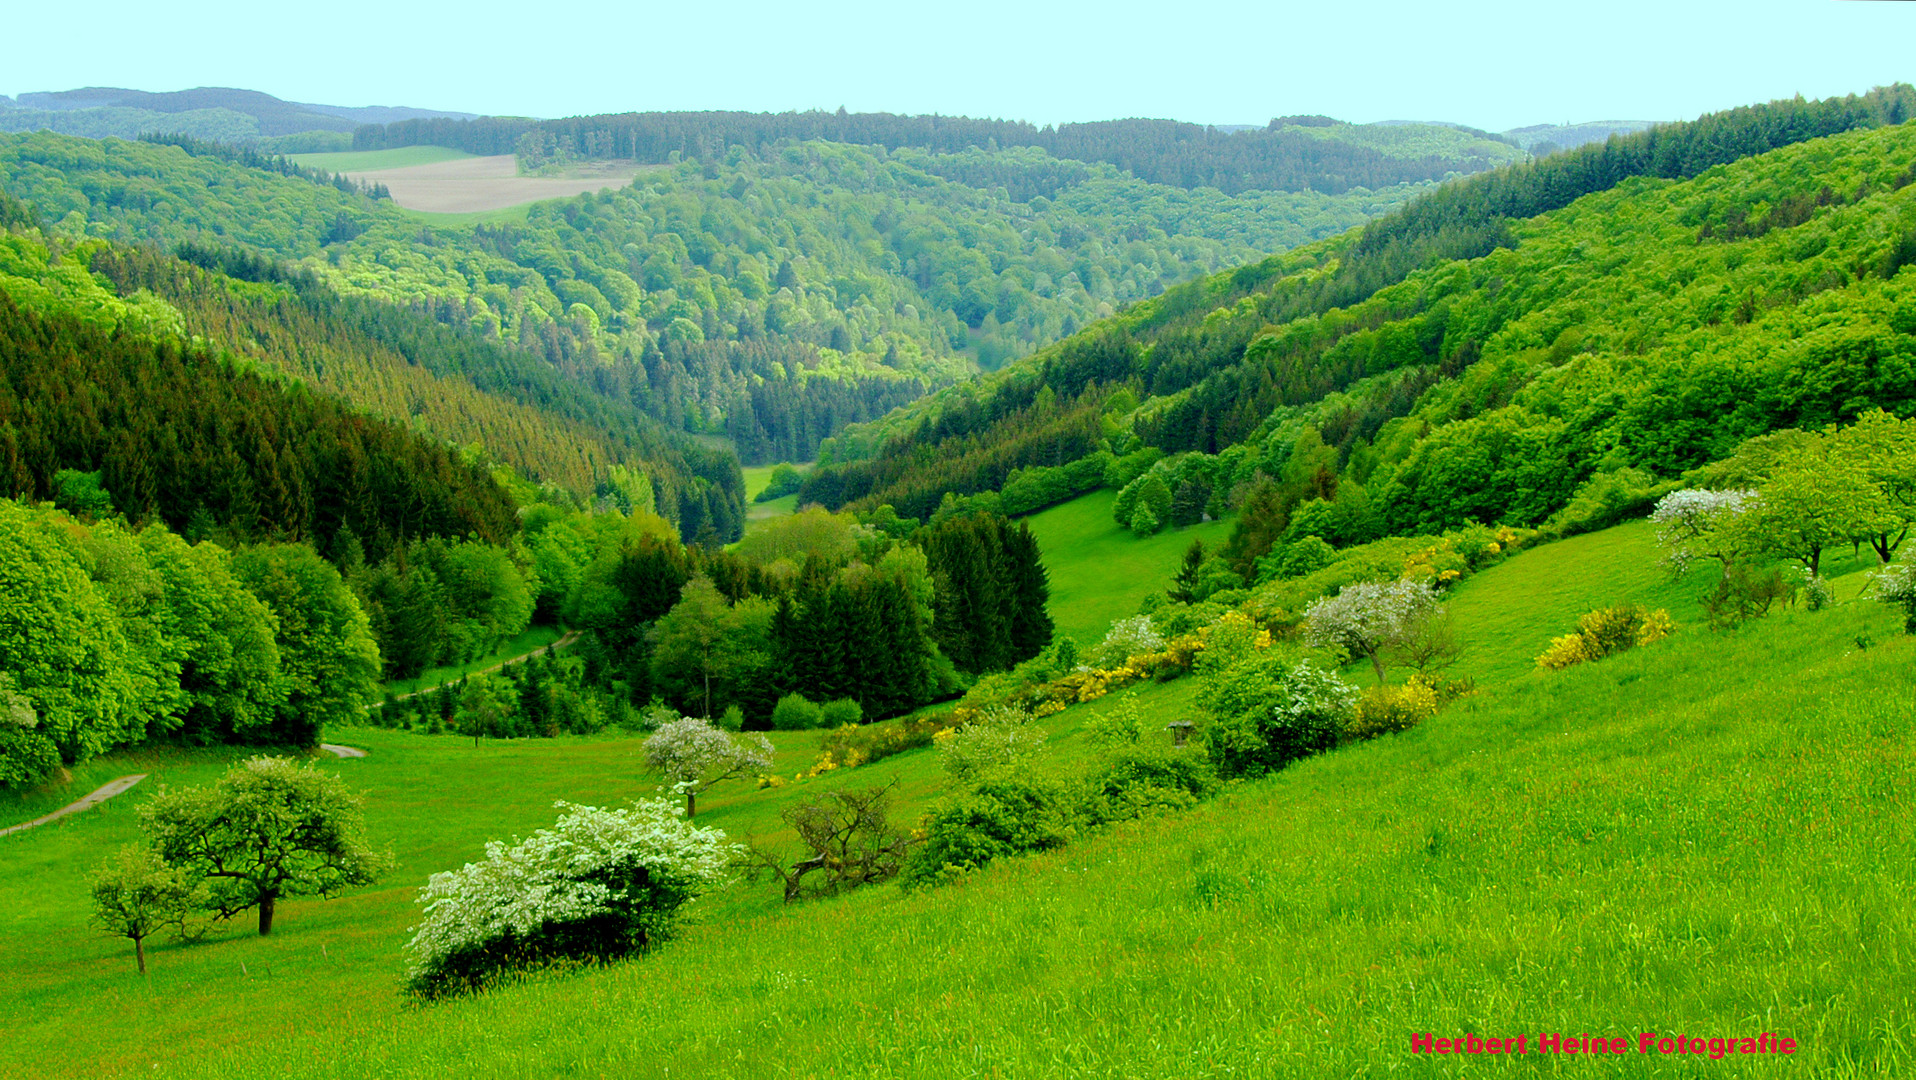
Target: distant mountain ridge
(208,112)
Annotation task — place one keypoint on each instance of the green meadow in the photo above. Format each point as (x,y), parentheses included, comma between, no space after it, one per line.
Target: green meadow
(1100,572)
(1709,836)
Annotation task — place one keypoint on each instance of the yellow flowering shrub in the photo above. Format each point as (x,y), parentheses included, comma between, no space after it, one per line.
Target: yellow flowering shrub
(1386,709)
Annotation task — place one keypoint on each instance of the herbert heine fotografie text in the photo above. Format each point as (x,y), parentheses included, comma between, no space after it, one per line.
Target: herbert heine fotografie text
(1647,1043)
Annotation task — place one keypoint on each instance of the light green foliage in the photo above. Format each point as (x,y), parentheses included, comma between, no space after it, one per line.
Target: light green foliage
(229,665)
(326,650)
(1001,740)
(795,712)
(81,494)
(270,828)
(26,756)
(136,895)
(706,648)
(61,641)
(836,714)
(795,537)
(784,480)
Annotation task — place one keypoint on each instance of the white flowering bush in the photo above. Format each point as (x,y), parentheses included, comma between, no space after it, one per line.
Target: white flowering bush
(598,884)
(694,755)
(1698,524)
(1895,585)
(1001,739)
(1367,618)
(1126,638)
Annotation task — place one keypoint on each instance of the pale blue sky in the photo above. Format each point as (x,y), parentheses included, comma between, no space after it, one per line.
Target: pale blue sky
(1493,64)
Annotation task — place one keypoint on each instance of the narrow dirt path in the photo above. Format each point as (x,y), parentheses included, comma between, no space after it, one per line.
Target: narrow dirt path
(342,751)
(562,643)
(103,793)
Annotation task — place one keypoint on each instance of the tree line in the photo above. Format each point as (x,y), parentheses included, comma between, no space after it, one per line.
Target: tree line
(1157,151)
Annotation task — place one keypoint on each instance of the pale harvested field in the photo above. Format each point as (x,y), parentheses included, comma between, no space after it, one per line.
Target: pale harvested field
(475,184)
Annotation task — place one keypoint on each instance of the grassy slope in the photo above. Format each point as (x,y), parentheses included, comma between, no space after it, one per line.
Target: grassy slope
(1100,572)
(374,160)
(1711,835)
(757,478)
(533,638)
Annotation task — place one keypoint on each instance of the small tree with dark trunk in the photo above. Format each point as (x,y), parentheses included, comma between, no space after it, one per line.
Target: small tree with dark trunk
(269,828)
(135,896)
(849,840)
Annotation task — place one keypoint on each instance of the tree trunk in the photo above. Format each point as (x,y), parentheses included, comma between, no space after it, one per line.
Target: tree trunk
(139,951)
(1816,560)
(1377,661)
(691,803)
(266,914)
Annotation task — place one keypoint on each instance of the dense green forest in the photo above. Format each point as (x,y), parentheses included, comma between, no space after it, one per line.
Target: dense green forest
(1283,157)
(771,298)
(1473,356)
(204,541)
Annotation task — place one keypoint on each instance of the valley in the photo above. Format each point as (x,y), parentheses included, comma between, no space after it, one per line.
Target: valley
(864,594)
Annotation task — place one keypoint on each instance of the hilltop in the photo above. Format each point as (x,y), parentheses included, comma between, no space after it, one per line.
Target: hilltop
(206,112)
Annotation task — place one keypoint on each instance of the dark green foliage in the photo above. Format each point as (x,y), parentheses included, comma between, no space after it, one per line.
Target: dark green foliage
(1744,593)
(1161,151)
(991,591)
(1001,816)
(415,368)
(848,842)
(174,431)
(1136,780)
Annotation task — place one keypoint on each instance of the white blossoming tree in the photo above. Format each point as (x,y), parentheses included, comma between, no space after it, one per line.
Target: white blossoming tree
(1698,524)
(1368,619)
(598,884)
(694,755)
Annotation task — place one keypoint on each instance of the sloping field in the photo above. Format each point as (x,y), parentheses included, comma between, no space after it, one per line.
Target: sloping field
(475,184)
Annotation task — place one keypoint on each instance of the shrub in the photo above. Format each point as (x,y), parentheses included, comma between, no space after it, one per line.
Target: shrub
(1001,739)
(1004,815)
(849,842)
(1136,780)
(1125,639)
(1606,632)
(1895,585)
(1742,594)
(839,713)
(733,719)
(1268,713)
(1296,559)
(1817,593)
(597,885)
(795,713)
(1384,710)
(851,745)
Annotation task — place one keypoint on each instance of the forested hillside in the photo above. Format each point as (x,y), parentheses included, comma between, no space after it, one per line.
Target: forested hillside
(1644,304)
(772,298)
(1283,157)
(234,116)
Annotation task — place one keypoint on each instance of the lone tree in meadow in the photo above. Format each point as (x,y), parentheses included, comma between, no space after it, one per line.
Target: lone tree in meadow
(695,755)
(135,895)
(1369,619)
(268,828)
